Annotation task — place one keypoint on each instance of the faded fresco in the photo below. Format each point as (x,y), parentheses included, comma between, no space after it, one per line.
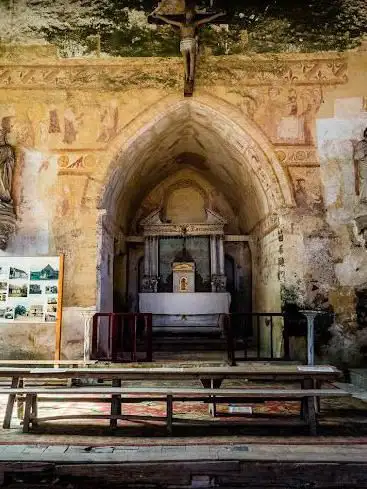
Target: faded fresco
(277,147)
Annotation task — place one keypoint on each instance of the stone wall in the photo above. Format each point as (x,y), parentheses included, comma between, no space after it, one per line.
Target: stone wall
(273,136)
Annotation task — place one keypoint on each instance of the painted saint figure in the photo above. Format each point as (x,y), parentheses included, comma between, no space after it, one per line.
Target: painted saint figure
(7,161)
(360,156)
(189,37)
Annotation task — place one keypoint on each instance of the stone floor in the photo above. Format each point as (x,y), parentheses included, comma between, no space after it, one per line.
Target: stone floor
(90,456)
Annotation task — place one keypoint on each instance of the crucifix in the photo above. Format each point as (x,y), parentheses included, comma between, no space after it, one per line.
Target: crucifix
(189,34)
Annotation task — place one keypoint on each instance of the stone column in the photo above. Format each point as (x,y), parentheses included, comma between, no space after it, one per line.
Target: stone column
(213,262)
(146,284)
(153,256)
(87,315)
(146,256)
(221,255)
(213,254)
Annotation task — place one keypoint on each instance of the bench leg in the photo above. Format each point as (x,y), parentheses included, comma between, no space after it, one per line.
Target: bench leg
(20,401)
(212,384)
(115,403)
(318,385)
(169,414)
(34,411)
(27,412)
(310,414)
(10,404)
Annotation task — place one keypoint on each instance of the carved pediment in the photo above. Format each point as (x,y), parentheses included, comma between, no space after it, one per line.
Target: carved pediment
(214,218)
(154,218)
(154,226)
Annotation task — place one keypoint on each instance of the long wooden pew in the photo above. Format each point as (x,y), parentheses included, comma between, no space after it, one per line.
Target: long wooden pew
(118,396)
(209,377)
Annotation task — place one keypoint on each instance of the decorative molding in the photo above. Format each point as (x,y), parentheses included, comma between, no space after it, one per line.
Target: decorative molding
(267,70)
(297,155)
(120,73)
(236,238)
(183,267)
(153,226)
(266,226)
(182,230)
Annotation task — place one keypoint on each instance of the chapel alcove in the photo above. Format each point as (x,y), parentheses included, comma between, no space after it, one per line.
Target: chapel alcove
(190,174)
(183,222)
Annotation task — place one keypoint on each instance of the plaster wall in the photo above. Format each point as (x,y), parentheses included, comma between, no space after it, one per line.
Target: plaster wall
(273,137)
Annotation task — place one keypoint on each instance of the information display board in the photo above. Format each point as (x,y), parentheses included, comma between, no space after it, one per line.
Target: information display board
(29,289)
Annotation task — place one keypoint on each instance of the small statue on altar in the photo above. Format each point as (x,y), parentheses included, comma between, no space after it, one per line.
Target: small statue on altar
(189,37)
(183,284)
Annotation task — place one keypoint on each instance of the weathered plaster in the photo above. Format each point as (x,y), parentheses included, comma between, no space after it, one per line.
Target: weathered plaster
(273,141)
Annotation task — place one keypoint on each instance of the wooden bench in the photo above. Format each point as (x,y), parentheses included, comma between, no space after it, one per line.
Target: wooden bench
(209,377)
(56,363)
(117,396)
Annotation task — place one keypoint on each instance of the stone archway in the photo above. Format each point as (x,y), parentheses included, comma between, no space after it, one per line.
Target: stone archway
(232,154)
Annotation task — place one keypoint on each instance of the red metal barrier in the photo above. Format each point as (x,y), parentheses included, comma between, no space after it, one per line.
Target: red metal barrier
(122,337)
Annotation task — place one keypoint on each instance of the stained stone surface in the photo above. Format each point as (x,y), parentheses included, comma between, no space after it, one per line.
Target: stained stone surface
(266,140)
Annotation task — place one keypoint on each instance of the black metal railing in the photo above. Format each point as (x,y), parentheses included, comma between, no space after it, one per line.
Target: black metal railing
(251,336)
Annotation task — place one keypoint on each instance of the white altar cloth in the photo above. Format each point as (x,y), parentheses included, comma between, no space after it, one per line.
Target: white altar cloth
(180,312)
(185,303)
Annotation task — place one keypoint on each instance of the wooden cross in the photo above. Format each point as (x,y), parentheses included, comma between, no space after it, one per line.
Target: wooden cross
(182,15)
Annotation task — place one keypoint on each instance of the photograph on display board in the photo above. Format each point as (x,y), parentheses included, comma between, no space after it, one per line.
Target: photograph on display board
(51,289)
(18,290)
(29,289)
(50,316)
(4,272)
(9,313)
(21,312)
(35,289)
(36,312)
(46,273)
(17,273)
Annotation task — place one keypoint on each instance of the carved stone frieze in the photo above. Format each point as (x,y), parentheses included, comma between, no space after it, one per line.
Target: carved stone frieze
(299,70)
(297,155)
(180,230)
(266,225)
(118,74)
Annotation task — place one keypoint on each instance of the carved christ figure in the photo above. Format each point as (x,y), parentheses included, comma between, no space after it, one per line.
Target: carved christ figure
(189,37)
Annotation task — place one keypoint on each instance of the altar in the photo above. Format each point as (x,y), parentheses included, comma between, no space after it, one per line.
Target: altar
(178,312)
(184,282)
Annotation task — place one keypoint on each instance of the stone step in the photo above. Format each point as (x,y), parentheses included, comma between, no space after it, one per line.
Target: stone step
(172,343)
(358,377)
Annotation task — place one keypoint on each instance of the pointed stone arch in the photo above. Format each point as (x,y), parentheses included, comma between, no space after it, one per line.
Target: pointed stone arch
(130,154)
(234,152)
